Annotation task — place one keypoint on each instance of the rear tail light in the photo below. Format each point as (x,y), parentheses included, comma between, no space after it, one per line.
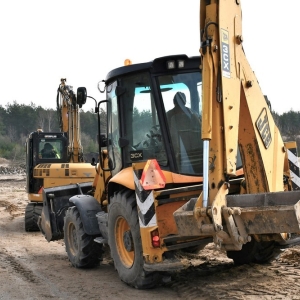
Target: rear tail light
(155,239)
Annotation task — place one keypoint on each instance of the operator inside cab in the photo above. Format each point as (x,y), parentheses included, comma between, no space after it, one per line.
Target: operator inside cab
(49,152)
(185,129)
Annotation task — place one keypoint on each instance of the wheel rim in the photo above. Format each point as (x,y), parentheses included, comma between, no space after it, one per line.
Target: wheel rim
(122,229)
(72,237)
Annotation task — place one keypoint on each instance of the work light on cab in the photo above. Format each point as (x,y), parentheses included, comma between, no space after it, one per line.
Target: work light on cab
(127,62)
(180,63)
(171,64)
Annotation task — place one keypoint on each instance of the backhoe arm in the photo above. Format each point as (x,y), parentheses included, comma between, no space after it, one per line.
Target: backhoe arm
(236,117)
(235,113)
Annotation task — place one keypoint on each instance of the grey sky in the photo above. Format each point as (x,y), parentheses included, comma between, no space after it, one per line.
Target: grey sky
(43,41)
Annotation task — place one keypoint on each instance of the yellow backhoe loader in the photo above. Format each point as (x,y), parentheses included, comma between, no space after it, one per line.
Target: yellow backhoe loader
(160,188)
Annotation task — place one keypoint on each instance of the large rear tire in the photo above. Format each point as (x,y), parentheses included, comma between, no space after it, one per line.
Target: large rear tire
(125,241)
(32,213)
(82,251)
(253,252)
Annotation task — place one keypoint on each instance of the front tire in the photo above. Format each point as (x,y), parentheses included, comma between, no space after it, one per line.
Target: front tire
(125,241)
(32,213)
(82,251)
(253,252)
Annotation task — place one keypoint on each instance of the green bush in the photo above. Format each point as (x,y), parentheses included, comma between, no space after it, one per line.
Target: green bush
(88,144)
(6,147)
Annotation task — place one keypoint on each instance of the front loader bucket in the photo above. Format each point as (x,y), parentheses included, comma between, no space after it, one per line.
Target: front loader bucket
(268,213)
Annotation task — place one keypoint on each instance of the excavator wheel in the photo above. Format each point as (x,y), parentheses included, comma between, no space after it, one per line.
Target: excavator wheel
(32,213)
(253,252)
(125,241)
(82,251)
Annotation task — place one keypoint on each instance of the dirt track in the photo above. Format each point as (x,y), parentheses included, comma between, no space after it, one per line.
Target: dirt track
(32,268)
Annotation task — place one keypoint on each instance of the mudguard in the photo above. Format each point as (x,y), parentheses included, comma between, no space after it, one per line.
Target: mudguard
(88,207)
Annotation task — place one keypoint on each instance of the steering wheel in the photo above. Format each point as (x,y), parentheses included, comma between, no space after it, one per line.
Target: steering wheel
(153,139)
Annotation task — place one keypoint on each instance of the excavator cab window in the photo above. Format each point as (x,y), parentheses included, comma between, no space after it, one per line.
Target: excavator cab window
(50,149)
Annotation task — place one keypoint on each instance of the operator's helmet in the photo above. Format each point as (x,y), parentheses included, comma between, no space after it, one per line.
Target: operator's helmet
(179,99)
(48,146)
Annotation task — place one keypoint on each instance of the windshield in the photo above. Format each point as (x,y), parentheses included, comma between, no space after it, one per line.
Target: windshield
(50,149)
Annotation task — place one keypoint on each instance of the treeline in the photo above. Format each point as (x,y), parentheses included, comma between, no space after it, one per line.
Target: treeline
(289,126)
(17,121)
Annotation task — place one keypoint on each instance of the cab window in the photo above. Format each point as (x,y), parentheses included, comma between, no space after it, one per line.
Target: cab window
(50,149)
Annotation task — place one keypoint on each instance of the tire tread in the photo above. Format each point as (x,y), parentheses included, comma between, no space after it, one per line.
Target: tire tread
(124,202)
(89,252)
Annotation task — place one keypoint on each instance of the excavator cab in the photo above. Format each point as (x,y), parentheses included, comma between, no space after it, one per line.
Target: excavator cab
(43,149)
(154,112)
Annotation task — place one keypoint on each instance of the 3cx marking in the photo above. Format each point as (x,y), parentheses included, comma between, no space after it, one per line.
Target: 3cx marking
(262,124)
(136,155)
(225,53)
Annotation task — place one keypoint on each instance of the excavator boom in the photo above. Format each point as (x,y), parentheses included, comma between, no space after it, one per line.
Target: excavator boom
(68,110)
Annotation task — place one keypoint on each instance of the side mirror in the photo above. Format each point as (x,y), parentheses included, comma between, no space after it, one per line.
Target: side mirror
(93,163)
(81,96)
(102,140)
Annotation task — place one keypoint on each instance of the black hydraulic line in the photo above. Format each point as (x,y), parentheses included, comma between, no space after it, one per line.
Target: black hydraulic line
(206,26)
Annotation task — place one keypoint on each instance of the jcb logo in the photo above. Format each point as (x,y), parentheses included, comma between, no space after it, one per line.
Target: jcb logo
(136,155)
(225,36)
(225,54)
(262,124)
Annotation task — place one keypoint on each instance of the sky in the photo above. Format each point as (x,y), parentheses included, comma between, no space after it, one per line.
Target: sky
(44,41)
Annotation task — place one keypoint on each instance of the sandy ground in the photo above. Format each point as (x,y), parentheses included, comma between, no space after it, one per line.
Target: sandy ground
(32,268)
